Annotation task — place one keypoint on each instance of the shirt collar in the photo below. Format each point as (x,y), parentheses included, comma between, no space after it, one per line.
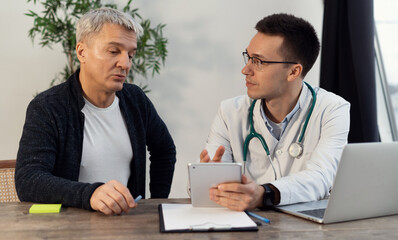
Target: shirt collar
(289,116)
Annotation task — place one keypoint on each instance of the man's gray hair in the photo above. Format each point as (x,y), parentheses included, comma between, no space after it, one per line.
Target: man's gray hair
(93,21)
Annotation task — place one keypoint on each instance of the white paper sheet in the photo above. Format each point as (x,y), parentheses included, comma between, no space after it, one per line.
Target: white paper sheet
(186,217)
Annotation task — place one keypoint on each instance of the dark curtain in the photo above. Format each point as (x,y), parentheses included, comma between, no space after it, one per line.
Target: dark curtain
(348,63)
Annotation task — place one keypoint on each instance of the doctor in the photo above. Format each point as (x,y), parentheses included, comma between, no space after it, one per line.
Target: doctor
(288,135)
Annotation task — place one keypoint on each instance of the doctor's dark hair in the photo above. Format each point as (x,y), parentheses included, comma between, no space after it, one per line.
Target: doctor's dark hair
(300,43)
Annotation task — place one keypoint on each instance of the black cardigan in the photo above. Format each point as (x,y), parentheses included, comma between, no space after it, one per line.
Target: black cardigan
(50,150)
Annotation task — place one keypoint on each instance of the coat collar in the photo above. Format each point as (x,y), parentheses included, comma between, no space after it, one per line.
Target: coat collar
(77,90)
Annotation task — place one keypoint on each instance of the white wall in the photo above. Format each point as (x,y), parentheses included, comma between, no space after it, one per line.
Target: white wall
(25,69)
(203,66)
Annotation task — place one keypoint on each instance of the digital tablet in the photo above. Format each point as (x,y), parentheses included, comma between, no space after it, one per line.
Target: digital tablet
(203,176)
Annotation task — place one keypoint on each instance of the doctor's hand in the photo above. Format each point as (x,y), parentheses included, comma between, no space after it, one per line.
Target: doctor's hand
(112,198)
(204,155)
(238,196)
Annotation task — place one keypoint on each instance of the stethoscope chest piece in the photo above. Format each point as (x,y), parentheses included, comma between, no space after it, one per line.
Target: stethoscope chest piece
(295,149)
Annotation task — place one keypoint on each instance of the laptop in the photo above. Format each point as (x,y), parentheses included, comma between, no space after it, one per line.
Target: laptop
(366,186)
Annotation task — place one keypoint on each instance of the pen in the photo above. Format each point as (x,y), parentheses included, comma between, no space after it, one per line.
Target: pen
(266,220)
(138,198)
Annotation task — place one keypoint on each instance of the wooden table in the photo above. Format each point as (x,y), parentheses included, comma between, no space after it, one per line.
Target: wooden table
(143,223)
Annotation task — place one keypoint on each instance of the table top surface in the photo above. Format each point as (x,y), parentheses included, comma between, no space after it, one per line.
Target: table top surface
(143,223)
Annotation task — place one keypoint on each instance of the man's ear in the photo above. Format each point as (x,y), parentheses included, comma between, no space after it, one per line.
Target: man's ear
(80,52)
(295,72)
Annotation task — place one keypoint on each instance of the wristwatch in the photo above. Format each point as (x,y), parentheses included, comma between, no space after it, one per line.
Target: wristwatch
(269,195)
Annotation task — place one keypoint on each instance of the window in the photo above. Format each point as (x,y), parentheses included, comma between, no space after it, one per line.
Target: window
(386,37)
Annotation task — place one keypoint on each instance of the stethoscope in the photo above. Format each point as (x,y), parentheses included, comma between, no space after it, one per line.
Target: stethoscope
(295,148)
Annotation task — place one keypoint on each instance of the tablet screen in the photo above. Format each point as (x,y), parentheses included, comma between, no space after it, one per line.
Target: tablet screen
(203,176)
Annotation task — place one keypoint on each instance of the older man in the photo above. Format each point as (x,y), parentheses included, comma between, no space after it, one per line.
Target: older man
(84,141)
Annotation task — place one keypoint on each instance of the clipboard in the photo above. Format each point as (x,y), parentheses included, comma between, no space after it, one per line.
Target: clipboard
(179,218)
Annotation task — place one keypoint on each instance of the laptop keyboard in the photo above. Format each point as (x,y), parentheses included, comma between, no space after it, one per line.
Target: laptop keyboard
(314,212)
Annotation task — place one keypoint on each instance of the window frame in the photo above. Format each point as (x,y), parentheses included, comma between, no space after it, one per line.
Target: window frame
(385,112)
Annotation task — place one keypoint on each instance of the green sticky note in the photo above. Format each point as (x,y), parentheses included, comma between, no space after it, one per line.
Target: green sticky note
(45,208)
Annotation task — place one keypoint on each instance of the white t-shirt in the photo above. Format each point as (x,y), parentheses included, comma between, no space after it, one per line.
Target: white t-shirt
(107,151)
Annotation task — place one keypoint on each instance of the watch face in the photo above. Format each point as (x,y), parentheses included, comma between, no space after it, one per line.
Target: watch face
(268,198)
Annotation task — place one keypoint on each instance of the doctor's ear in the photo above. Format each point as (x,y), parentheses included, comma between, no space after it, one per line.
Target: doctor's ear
(295,71)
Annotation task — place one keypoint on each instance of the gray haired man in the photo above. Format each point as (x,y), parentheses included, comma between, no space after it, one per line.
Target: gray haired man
(84,141)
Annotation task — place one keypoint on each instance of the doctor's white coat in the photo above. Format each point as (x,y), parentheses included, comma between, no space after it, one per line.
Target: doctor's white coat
(307,178)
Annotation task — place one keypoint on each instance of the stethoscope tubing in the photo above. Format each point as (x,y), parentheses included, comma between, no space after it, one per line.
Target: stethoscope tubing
(253,134)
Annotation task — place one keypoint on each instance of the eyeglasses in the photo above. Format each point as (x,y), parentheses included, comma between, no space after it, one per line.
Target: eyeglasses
(259,64)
